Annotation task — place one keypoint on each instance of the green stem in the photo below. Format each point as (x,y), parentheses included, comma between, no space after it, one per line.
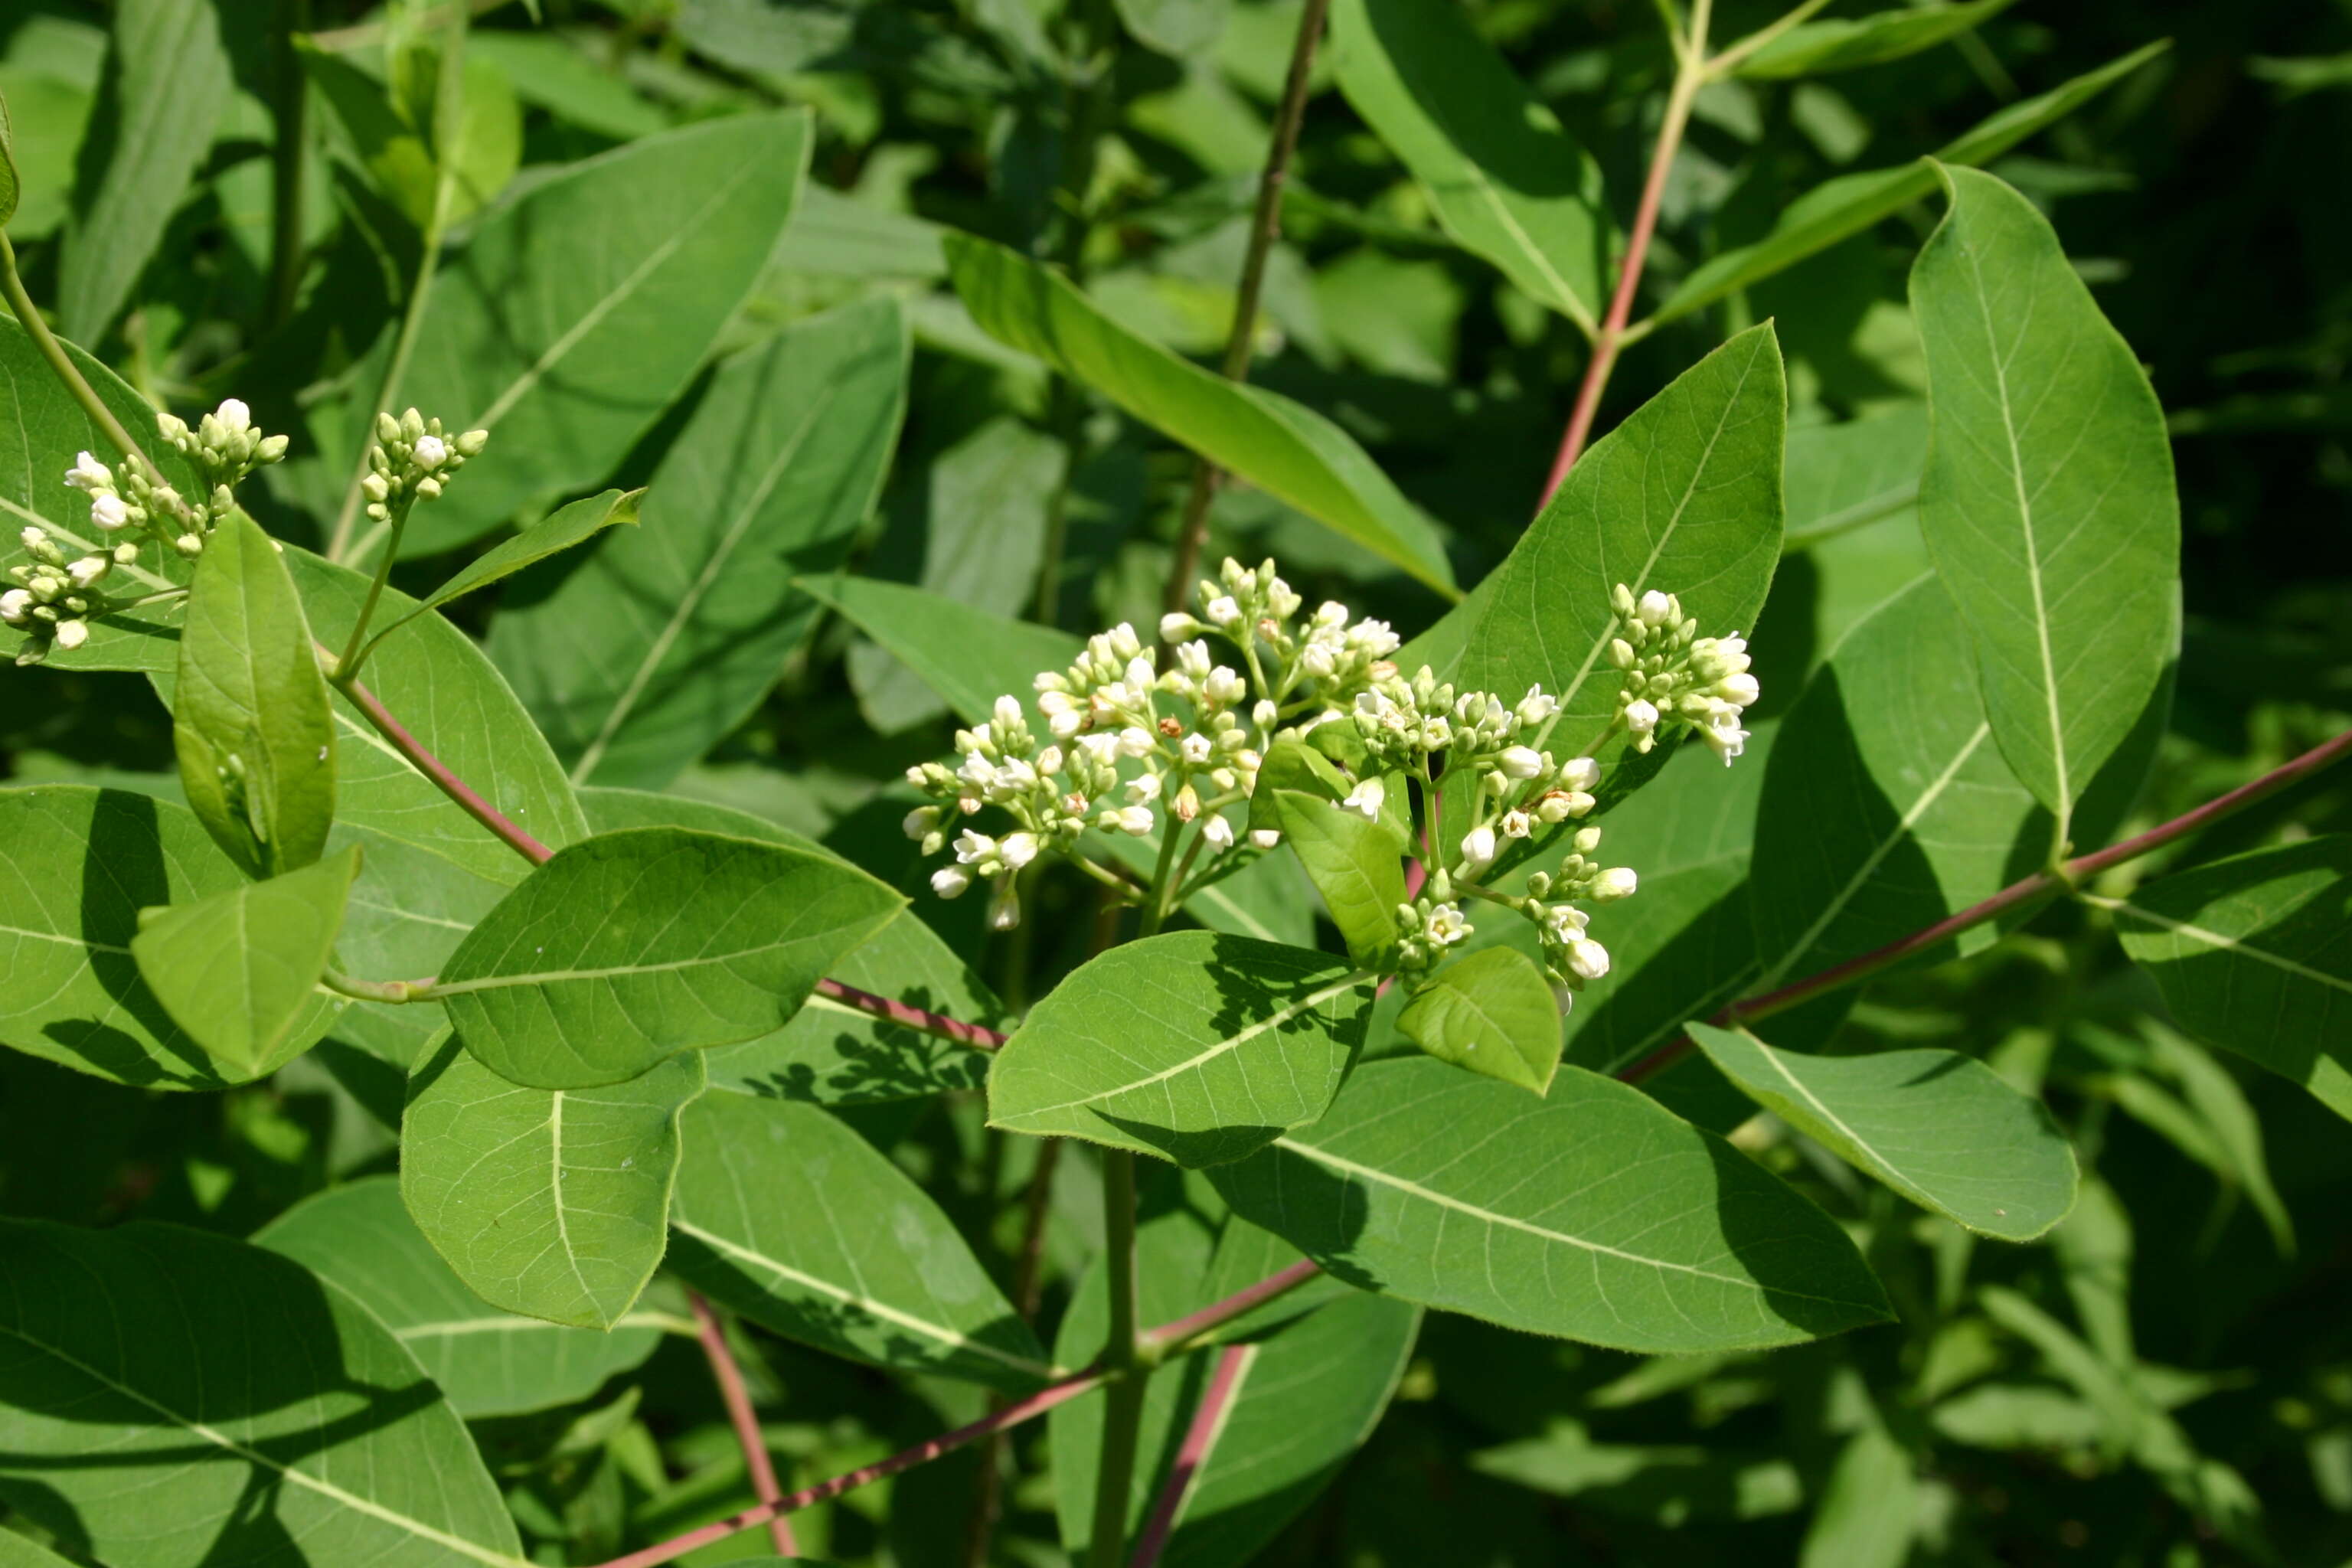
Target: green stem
(392,991)
(1155,905)
(1123,1360)
(449,114)
(286,159)
(354,653)
(29,317)
(1729,60)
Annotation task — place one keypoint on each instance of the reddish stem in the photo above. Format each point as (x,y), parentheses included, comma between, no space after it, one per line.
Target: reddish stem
(729,1378)
(1200,1440)
(433,768)
(977,1035)
(1164,1339)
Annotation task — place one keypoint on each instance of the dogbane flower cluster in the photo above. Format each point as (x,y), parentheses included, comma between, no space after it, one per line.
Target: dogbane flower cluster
(1130,748)
(1672,675)
(412,460)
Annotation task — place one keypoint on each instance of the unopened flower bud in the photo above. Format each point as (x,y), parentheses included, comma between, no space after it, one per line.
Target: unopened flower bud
(1219,833)
(1618,882)
(88,570)
(1176,626)
(376,487)
(173,428)
(411,424)
(949,881)
(1224,613)
(1265,837)
(1641,716)
(919,822)
(429,453)
(189,545)
(387,428)
(1579,772)
(15,606)
(428,489)
(1521,761)
(471,443)
(71,635)
(1586,841)
(108,511)
(1477,848)
(1587,960)
(273,448)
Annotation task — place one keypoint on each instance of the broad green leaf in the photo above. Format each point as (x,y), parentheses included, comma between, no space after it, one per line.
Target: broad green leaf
(48,117)
(831,1053)
(1852,202)
(574,314)
(2254,953)
(629,947)
(1283,447)
(239,971)
(42,429)
(1504,179)
(1177,28)
(837,235)
(17,1551)
(1943,1129)
(574,524)
(1196,1047)
(1355,863)
(547,1202)
(1851,475)
(556,74)
(1869,1511)
(789,1217)
(1842,43)
(1683,497)
(2047,500)
(167,83)
(81,865)
(359,1238)
(250,721)
(1593,1215)
(11,188)
(1492,1013)
(640,658)
(1311,1387)
(758,35)
(969,656)
(176,1398)
(390,128)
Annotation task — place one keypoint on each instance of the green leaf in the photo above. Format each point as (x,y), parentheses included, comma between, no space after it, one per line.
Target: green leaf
(551,535)
(546,1203)
(1355,863)
(2254,953)
(1943,1129)
(239,971)
(969,656)
(791,1219)
(576,313)
(1504,179)
(81,863)
(1850,203)
(1196,1047)
(1870,1508)
(1683,497)
(1593,1215)
(48,116)
(1177,28)
(1291,452)
(2047,500)
(1492,1013)
(167,83)
(831,1053)
(359,1238)
(185,1398)
(10,186)
(16,1551)
(389,127)
(250,716)
(556,74)
(1816,49)
(642,656)
(629,947)
(1848,476)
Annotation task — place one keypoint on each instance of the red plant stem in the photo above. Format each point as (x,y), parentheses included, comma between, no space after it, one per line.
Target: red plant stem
(433,768)
(2017,895)
(1161,1341)
(1200,1441)
(977,1035)
(729,1378)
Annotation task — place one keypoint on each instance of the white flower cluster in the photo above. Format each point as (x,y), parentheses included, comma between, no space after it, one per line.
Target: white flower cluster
(412,460)
(57,591)
(1673,674)
(1132,748)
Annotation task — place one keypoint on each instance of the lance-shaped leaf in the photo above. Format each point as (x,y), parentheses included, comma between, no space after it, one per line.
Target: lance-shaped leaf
(1593,1215)
(1683,497)
(1848,43)
(1290,451)
(546,1203)
(175,1398)
(250,716)
(11,188)
(573,315)
(1504,179)
(1851,202)
(239,971)
(1354,862)
(631,946)
(2047,499)
(81,863)
(358,1238)
(166,83)
(2254,953)
(969,656)
(1942,1129)
(642,656)
(1492,1013)
(574,524)
(1196,1047)
(832,1053)
(794,1220)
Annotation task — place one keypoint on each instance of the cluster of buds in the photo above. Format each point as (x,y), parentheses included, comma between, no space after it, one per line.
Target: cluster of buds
(1672,675)
(54,592)
(1423,726)
(1319,665)
(412,460)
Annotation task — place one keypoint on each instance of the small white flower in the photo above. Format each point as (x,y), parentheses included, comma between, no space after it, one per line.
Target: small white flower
(71,635)
(1219,833)
(1143,789)
(1641,716)
(1124,643)
(429,453)
(1536,706)
(1727,738)
(1332,614)
(973,848)
(1140,676)
(1135,819)
(1224,687)
(1586,841)
(108,510)
(1655,608)
(1265,715)
(238,418)
(1049,760)
(15,606)
(1579,772)
(1134,740)
(1565,923)
(1318,660)
(1445,926)
(1521,761)
(917,823)
(1018,849)
(1477,848)
(1224,613)
(1197,749)
(1740,688)
(1367,797)
(1192,659)
(88,570)
(89,474)
(32,538)
(1282,601)
(189,545)
(1587,960)
(1377,638)
(1436,734)
(1006,712)
(949,881)
(1516,824)
(1176,626)
(1618,882)
(915,776)
(1265,837)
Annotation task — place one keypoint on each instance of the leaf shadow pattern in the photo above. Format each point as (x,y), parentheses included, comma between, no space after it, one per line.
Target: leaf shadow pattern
(815,1060)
